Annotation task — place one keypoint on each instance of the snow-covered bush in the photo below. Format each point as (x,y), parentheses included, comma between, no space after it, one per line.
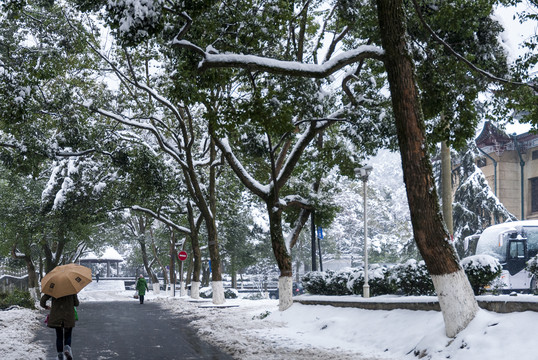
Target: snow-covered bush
(348,281)
(380,281)
(337,282)
(207,293)
(532,265)
(315,282)
(356,281)
(412,278)
(532,268)
(481,270)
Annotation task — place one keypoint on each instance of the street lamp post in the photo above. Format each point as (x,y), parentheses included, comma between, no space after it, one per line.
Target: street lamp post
(363,173)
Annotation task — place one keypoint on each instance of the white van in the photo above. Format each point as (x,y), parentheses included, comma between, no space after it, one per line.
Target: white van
(513,244)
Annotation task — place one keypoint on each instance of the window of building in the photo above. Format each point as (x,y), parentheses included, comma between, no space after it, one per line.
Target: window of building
(534,154)
(534,194)
(481,162)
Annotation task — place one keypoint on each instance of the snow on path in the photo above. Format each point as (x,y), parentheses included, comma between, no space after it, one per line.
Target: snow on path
(245,330)
(255,329)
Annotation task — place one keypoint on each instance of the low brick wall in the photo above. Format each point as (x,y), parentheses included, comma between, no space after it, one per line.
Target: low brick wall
(500,306)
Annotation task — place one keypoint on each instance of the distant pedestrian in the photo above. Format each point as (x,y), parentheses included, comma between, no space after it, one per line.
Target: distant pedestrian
(62,319)
(141,286)
(97,277)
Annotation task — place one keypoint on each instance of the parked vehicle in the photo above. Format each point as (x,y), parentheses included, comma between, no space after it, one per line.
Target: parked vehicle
(297,290)
(513,244)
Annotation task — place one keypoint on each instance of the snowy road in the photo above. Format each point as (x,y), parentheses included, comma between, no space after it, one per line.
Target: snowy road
(128,330)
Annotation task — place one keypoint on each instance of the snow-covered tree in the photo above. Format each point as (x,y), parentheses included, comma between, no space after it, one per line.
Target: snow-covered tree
(475,205)
(389,225)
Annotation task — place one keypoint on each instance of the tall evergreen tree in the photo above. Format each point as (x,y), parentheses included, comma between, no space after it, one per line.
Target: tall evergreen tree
(475,205)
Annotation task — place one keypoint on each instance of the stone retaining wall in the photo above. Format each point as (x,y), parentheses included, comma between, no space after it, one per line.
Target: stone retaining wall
(500,306)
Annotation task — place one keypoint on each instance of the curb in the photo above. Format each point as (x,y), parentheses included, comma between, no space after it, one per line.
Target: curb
(499,306)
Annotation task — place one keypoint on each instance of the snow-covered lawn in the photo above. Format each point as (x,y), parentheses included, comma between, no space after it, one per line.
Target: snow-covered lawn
(255,329)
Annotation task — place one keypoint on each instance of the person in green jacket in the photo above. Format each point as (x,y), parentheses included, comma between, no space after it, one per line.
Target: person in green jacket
(141,287)
(62,319)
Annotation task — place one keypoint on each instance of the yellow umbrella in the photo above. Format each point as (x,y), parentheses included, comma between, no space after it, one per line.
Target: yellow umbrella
(66,280)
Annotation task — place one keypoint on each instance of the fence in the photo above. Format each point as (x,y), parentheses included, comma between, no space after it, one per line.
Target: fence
(12,276)
(9,283)
(12,268)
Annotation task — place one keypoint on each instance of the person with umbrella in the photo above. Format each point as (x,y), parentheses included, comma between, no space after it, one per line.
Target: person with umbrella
(61,286)
(141,286)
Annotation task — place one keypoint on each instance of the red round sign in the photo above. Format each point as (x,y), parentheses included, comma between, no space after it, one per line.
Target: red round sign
(182,255)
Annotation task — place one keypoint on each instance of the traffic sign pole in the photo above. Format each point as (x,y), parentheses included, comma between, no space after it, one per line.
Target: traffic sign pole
(182,256)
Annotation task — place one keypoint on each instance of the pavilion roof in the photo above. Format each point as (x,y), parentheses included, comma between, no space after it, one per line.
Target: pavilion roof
(108,254)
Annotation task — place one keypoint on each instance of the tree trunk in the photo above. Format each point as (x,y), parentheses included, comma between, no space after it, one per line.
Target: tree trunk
(156,285)
(33,283)
(212,233)
(455,294)
(205,276)
(196,253)
(446,183)
(173,257)
(142,239)
(283,259)
(234,279)
(216,274)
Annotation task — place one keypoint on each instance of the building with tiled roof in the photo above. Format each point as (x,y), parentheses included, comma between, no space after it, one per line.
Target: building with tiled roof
(510,164)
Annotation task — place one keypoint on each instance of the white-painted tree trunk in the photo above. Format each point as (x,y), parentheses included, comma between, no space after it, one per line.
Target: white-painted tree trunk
(285,292)
(457,301)
(34,293)
(195,289)
(218,292)
(182,290)
(156,288)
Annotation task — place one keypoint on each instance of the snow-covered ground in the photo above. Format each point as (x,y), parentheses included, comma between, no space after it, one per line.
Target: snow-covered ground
(255,329)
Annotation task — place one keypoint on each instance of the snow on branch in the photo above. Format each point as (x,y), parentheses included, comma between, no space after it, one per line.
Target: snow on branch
(162,219)
(244,176)
(296,200)
(252,62)
(163,143)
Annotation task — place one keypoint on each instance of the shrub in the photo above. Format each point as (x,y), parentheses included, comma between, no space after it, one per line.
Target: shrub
(412,278)
(356,281)
(207,293)
(481,270)
(337,282)
(254,296)
(532,266)
(380,281)
(314,282)
(17,297)
(348,281)
(230,294)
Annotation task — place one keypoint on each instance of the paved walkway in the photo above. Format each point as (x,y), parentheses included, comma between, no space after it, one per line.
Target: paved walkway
(128,330)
